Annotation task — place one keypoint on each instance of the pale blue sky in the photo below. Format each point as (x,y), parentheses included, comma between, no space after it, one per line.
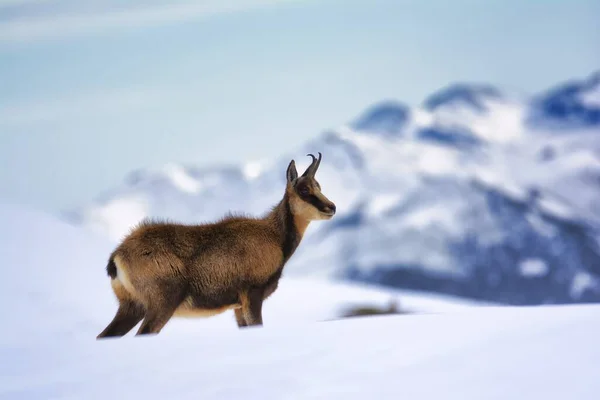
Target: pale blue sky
(89,92)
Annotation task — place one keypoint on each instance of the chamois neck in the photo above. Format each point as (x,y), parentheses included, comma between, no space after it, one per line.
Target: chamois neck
(289,227)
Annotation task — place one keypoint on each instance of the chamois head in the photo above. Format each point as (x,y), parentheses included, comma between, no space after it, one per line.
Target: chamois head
(305,196)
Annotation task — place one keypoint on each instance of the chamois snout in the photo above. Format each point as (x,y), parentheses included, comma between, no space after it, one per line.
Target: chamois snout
(329,209)
(325,206)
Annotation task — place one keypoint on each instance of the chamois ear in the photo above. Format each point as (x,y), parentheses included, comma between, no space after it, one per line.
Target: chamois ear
(291,173)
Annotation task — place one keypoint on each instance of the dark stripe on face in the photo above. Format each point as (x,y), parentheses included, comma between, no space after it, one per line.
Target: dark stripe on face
(310,198)
(314,200)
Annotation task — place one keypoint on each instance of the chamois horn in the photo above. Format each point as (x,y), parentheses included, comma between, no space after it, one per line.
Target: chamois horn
(312,168)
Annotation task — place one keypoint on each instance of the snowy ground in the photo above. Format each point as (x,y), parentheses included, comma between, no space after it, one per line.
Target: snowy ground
(533,353)
(55,298)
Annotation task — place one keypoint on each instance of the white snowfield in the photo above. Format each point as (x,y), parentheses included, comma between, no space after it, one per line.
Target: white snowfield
(536,353)
(55,298)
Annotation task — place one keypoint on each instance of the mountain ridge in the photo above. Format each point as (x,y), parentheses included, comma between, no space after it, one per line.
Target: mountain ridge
(446,192)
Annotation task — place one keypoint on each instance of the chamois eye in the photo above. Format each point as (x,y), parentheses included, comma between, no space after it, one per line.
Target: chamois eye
(303,191)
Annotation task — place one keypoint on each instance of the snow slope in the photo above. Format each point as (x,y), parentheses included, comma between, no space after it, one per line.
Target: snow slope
(55,298)
(452,196)
(518,353)
(54,282)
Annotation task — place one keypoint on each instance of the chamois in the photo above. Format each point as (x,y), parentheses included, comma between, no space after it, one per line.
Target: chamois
(162,269)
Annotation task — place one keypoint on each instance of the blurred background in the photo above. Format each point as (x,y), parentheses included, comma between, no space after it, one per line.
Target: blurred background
(460,140)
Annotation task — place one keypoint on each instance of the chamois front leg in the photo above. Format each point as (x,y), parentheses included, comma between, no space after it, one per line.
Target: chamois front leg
(252,306)
(239,318)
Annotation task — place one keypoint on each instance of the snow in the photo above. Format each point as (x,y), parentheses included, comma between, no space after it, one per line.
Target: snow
(556,208)
(382,203)
(591,98)
(431,216)
(54,280)
(590,95)
(582,281)
(581,159)
(182,179)
(533,267)
(505,125)
(422,118)
(253,169)
(117,216)
(544,352)
(540,226)
(502,123)
(55,298)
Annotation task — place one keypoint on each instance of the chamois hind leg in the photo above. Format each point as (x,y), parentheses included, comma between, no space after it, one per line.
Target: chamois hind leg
(252,306)
(130,312)
(156,319)
(160,308)
(127,316)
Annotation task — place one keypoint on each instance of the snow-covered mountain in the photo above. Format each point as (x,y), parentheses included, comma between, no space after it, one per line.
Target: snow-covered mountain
(473,193)
(571,105)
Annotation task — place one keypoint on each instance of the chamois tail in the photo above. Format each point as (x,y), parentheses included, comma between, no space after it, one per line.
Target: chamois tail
(111,268)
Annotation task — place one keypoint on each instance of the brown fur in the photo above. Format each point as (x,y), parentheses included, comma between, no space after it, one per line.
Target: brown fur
(164,269)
